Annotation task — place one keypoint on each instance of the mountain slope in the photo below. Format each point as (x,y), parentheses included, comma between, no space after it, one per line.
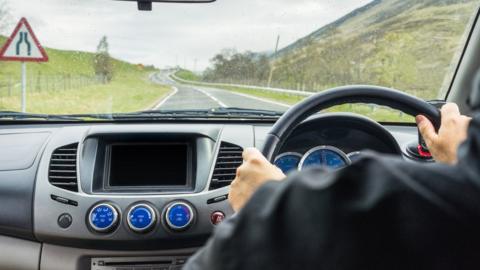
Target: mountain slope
(407,44)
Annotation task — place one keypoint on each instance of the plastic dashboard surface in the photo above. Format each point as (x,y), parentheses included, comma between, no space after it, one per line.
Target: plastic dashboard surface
(42,223)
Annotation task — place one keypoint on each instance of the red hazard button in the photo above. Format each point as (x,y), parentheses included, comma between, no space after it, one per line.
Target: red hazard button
(217,217)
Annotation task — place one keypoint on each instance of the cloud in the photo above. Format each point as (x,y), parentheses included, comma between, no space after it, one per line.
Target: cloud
(177,33)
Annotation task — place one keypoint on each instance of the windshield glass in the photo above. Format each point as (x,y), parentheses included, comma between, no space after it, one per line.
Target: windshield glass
(106,57)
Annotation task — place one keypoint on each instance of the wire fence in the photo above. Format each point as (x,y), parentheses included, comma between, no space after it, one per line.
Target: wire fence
(11,85)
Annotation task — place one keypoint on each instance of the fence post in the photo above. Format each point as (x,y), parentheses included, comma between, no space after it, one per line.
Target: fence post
(39,82)
(10,85)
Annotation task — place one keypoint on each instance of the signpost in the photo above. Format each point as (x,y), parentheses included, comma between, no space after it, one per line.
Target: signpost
(23,46)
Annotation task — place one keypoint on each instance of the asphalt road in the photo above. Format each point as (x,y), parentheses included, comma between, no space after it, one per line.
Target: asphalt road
(191,97)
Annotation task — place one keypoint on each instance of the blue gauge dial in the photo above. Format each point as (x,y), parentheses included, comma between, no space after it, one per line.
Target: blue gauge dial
(324,156)
(288,162)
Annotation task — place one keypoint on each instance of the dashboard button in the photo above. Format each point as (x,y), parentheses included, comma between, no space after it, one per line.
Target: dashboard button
(179,216)
(64,220)
(103,218)
(217,217)
(141,218)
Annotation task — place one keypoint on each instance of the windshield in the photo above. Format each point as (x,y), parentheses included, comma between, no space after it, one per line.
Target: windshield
(106,57)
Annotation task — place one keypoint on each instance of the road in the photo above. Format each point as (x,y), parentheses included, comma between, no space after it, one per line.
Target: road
(191,97)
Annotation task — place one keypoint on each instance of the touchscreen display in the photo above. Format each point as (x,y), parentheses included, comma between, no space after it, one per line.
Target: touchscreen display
(140,165)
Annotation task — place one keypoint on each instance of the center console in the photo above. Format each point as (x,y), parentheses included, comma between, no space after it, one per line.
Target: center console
(136,187)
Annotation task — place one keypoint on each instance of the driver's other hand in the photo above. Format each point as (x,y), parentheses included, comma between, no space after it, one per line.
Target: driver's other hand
(255,171)
(453,131)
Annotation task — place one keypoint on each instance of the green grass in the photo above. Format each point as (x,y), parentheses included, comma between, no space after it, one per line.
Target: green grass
(61,62)
(405,44)
(126,93)
(187,75)
(66,84)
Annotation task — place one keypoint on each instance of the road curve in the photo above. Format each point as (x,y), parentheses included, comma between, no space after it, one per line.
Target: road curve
(191,97)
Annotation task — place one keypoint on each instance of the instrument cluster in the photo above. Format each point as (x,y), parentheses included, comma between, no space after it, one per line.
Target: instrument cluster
(325,156)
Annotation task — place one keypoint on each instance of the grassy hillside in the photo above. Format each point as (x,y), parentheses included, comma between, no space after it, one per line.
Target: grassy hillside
(406,44)
(67,84)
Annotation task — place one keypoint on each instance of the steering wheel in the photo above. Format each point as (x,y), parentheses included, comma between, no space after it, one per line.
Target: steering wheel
(348,94)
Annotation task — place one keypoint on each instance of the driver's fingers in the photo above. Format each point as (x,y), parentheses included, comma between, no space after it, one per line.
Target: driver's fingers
(426,129)
(450,109)
(251,153)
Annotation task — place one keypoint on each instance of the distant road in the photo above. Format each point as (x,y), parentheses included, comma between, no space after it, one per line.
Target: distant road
(187,97)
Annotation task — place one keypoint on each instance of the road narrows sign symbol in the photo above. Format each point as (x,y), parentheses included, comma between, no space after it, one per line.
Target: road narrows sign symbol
(23,45)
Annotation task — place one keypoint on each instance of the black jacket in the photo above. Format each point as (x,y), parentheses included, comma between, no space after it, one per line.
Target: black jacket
(379,213)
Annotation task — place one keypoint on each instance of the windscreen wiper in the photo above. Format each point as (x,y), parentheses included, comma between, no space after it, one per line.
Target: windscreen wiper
(12,115)
(221,112)
(243,111)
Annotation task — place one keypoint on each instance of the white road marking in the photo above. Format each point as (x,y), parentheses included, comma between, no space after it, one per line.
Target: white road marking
(211,97)
(175,90)
(256,98)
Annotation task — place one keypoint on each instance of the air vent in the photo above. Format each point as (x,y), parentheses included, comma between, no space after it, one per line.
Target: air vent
(63,167)
(228,160)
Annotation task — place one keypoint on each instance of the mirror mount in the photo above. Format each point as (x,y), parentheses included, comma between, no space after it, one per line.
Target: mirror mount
(146,5)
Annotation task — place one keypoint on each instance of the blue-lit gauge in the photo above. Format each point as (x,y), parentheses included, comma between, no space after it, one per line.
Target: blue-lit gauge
(324,156)
(288,162)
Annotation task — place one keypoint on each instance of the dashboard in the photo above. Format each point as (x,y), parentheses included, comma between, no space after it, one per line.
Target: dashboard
(120,196)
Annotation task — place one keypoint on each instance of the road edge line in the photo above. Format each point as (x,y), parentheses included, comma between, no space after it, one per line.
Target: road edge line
(223,105)
(175,90)
(253,97)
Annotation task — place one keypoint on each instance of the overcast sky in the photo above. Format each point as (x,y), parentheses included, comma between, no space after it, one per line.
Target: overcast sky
(176,33)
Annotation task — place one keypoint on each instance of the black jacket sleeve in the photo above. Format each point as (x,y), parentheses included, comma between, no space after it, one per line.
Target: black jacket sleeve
(379,213)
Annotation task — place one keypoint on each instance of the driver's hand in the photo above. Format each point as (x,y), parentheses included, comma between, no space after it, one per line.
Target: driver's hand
(254,172)
(453,131)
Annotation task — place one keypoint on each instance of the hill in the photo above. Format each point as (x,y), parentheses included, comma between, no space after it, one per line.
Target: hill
(67,84)
(61,62)
(407,44)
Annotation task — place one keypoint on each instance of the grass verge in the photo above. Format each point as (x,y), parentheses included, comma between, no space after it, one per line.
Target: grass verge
(127,92)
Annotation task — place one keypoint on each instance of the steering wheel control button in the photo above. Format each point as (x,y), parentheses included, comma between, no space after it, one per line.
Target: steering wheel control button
(217,217)
(64,220)
(141,218)
(179,216)
(103,218)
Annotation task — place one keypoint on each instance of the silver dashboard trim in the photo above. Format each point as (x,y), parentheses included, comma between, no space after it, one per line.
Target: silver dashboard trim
(324,147)
(287,154)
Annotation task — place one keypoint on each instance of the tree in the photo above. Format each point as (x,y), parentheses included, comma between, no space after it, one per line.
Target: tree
(234,67)
(103,63)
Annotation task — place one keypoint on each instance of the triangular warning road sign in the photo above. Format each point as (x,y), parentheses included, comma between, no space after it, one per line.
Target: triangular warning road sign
(23,45)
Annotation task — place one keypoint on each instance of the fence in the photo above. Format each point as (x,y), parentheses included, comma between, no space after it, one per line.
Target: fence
(278,90)
(10,85)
